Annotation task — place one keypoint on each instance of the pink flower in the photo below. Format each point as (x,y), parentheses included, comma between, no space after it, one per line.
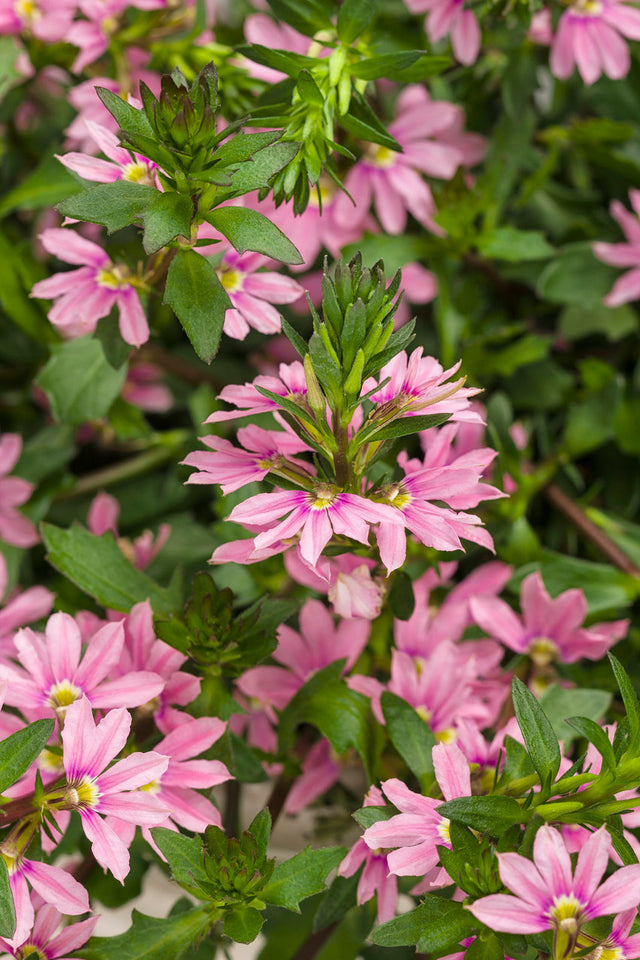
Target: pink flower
(20,608)
(550,895)
(589,37)
(418,829)
(376,878)
(144,388)
(55,672)
(55,885)
(433,143)
(48,20)
(261,29)
(86,295)
(253,294)
(290,383)
(92,36)
(142,650)
(43,944)
(95,791)
(356,594)
(121,165)
(550,629)
(315,515)
(448,17)
(103,515)
(14,528)
(264,451)
(627,287)
(320,770)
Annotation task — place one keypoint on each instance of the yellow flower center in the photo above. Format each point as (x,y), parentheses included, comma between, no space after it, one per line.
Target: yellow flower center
(448,735)
(397,496)
(601,951)
(381,157)
(424,713)
(231,280)
(588,8)
(443,830)
(543,651)
(84,793)
(116,278)
(138,172)
(62,694)
(152,787)
(28,951)
(27,10)
(325,495)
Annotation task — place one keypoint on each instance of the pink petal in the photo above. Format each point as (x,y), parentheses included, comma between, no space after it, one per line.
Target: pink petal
(72,248)
(136,770)
(131,690)
(56,886)
(133,321)
(452,771)
(64,646)
(106,845)
(508,914)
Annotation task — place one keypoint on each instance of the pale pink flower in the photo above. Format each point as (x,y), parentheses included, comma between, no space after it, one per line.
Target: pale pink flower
(290,383)
(320,770)
(47,20)
(376,878)
(449,18)
(103,515)
(143,651)
(430,133)
(346,579)
(627,287)
(122,164)
(55,671)
(589,37)
(96,790)
(262,451)
(93,35)
(418,829)
(550,895)
(55,885)
(14,527)
(86,295)
(549,629)
(144,388)
(419,285)
(253,292)
(43,944)
(20,608)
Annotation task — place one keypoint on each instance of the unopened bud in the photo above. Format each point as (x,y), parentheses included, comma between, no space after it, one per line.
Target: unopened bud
(315,396)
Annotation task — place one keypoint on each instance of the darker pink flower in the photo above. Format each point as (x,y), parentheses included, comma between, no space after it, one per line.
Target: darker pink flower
(449,18)
(590,37)
(122,164)
(627,287)
(376,878)
(86,295)
(44,943)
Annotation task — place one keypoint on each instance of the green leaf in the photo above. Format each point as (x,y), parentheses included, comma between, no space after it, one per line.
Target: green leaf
(363,123)
(301,876)
(485,947)
(540,740)
(282,60)
(575,276)
(198,299)
(79,382)
(243,147)
(185,856)
(401,597)
(150,938)
(114,205)
(130,119)
(517,762)
(247,229)
(7,907)
(17,276)
(390,65)
(244,764)
(594,733)
(435,925)
(260,830)
(243,925)
(515,246)
(354,16)
(10,74)
(98,566)
(491,815)
(257,174)
(405,426)
(340,897)
(309,90)
(367,816)
(19,750)
(45,186)
(168,216)
(614,323)
(630,700)
(326,701)
(307,16)
(559,703)
(409,734)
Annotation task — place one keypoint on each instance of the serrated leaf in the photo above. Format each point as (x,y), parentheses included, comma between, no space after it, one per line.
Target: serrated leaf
(168,216)
(301,876)
(409,734)
(367,816)
(79,381)
(185,856)
(98,566)
(260,829)
(129,118)
(257,174)
(242,147)
(113,205)
(435,925)
(150,938)
(326,701)
(198,299)
(405,426)
(247,229)
(19,750)
(243,925)
(540,740)
(491,815)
